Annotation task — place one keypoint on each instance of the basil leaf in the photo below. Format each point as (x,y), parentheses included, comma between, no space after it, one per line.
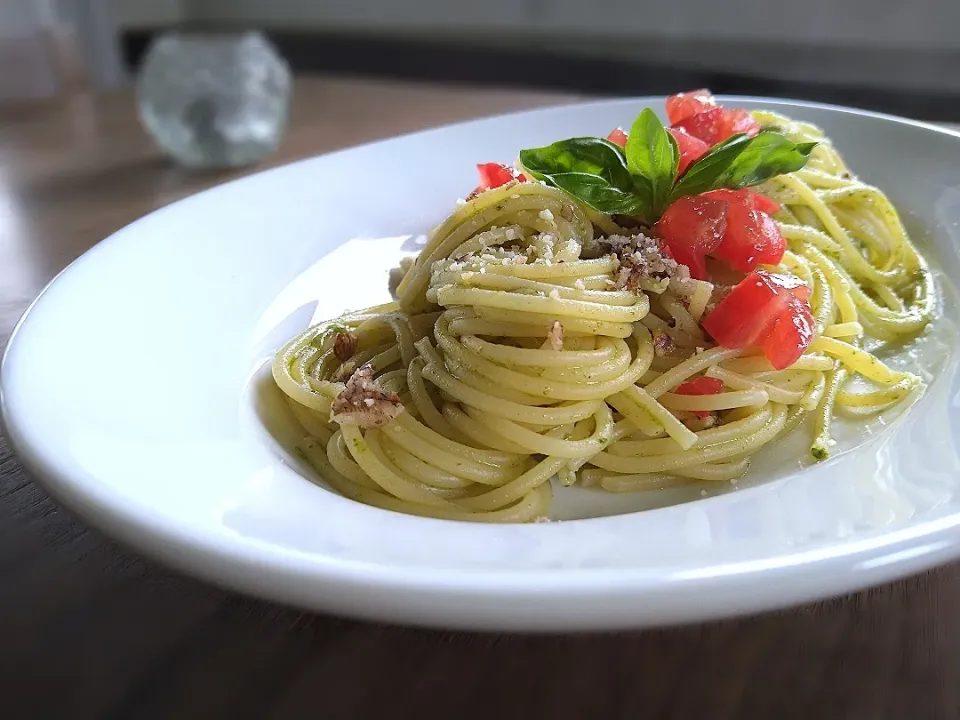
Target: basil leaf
(593,170)
(589,155)
(652,159)
(600,194)
(742,161)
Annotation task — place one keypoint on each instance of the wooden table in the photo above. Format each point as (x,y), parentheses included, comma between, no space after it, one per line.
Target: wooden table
(89,629)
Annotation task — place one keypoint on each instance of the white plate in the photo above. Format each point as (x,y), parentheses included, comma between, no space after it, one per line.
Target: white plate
(134,390)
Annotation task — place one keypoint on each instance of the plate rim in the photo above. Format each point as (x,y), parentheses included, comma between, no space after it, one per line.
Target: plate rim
(235,566)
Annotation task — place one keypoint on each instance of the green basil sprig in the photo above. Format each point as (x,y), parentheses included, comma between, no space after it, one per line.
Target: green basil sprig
(652,158)
(641,179)
(742,161)
(592,170)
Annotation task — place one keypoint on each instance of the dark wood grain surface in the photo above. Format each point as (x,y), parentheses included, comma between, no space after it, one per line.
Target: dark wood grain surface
(89,629)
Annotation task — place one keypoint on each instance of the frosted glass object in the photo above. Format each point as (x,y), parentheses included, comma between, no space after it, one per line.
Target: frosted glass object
(214,100)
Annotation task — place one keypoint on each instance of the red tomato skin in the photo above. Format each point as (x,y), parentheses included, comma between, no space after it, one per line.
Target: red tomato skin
(700,386)
(494,175)
(798,288)
(742,317)
(696,263)
(738,121)
(686,104)
(706,126)
(691,148)
(716,124)
(691,228)
(763,203)
(773,245)
(755,200)
(618,137)
(768,310)
(751,236)
(791,334)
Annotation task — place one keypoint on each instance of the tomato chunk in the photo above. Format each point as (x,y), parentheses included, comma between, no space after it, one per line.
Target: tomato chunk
(700,386)
(751,236)
(707,126)
(791,334)
(763,203)
(686,104)
(767,310)
(755,200)
(691,148)
(618,137)
(734,122)
(742,317)
(494,175)
(692,228)
(697,112)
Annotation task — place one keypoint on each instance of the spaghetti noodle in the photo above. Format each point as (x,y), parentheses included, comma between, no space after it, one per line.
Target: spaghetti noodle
(521,347)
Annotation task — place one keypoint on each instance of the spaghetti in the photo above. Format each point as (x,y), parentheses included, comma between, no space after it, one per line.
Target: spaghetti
(522,347)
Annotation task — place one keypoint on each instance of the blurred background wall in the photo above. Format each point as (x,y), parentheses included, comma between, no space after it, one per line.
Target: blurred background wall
(889,43)
(895,55)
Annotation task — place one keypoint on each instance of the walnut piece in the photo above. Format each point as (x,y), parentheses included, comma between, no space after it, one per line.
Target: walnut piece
(662,343)
(345,345)
(641,258)
(362,402)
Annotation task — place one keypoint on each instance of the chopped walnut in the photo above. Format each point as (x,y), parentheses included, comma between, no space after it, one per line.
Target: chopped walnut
(641,258)
(362,402)
(555,336)
(345,345)
(662,343)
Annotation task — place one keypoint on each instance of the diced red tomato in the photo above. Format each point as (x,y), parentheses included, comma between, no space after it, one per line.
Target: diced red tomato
(791,334)
(707,126)
(735,122)
(755,200)
(691,148)
(686,104)
(751,236)
(766,310)
(494,175)
(797,287)
(739,197)
(700,386)
(618,137)
(692,228)
(763,203)
(697,112)
(740,319)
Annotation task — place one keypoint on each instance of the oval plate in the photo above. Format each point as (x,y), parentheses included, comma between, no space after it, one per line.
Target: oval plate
(136,390)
